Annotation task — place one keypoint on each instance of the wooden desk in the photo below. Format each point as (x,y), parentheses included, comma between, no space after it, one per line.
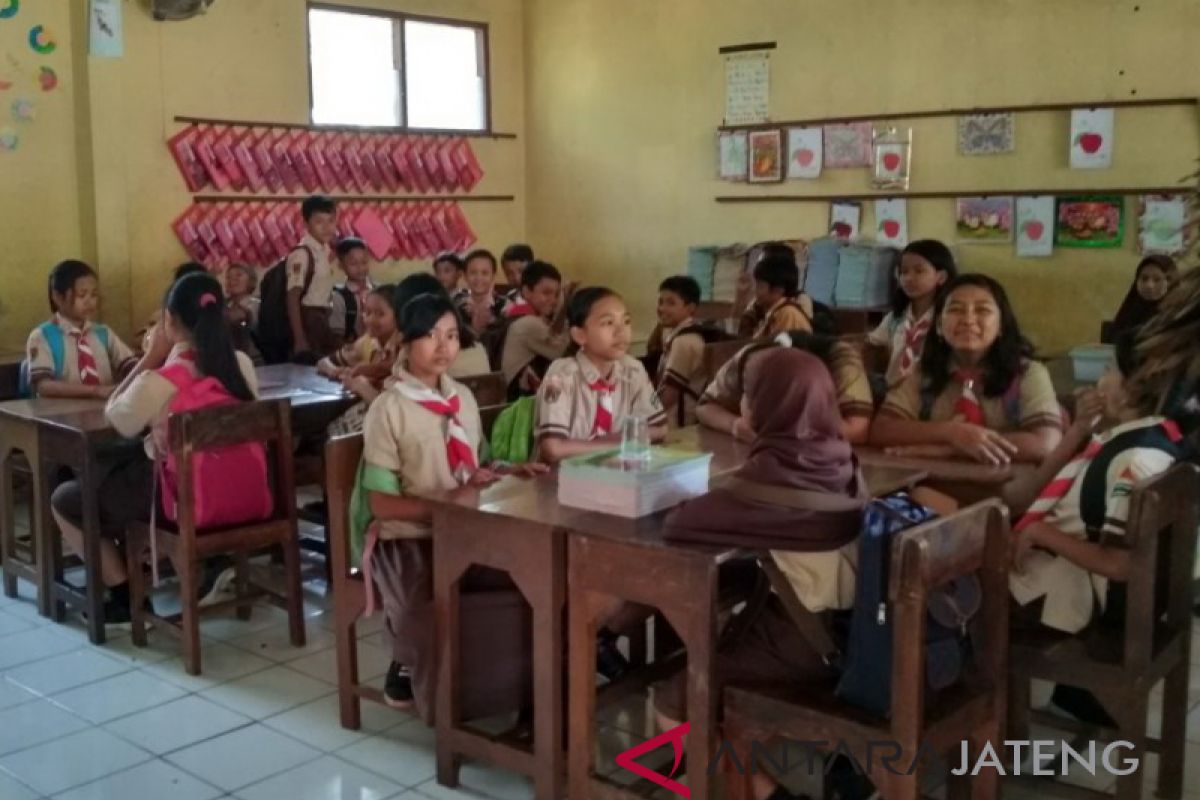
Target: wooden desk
(612,557)
(965,481)
(55,433)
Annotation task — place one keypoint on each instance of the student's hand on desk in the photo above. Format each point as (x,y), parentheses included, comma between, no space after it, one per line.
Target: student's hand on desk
(483,477)
(982,444)
(741,430)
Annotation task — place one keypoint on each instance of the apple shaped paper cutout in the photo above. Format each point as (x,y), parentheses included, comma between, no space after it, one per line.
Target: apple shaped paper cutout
(1033,229)
(841,230)
(48,79)
(890,228)
(891,161)
(804,156)
(1089,142)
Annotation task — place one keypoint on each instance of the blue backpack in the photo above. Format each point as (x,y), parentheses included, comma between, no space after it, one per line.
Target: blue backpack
(54,340)
(866,666)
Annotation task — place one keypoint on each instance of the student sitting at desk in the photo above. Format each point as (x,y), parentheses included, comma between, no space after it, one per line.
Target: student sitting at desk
(536,333)
(1066,558)
(72,355)
(362,367)
(800,495)
(192,332)
(978,392)
(586,397)
(720,407)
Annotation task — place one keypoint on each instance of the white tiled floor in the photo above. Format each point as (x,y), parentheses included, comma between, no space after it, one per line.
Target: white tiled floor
(117,722)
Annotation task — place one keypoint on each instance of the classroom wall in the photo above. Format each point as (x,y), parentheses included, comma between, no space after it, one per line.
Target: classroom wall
(39,181)
(624,97)
(241,61)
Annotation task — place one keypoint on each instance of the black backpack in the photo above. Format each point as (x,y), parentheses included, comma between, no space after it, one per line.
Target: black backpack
(351,320)
(274,332)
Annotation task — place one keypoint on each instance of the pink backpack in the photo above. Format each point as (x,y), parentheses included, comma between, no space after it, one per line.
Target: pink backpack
(230,484)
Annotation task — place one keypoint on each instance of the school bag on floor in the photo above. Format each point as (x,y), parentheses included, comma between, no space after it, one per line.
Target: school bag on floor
(229,484)
(53,336)
(866,665)
(273,333)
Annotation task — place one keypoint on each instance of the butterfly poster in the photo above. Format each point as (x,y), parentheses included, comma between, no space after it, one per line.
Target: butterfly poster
(805,153)
(848,145)
(986,134)
(1091,138)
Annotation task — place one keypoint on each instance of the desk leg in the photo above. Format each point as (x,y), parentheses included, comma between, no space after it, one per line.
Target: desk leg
(545,597)
(94,575)
(8,523)
(50,544)
(702,697)
(447,593)
(582,702)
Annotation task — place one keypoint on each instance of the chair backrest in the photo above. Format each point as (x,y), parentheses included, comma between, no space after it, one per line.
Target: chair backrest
(974,540)
(1160,533)
(714,311)
(717,354)
(342,456)
(489,388)
(268,422)
(488,416)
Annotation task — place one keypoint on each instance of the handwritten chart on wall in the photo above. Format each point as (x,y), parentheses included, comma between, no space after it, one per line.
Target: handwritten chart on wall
(747,87)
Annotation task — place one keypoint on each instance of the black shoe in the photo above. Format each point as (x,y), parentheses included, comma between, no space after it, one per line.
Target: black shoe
(610,663)
(1082,705)
(116,611)
(397,687)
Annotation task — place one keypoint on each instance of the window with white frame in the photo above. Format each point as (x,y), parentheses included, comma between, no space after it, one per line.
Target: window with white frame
(380,69)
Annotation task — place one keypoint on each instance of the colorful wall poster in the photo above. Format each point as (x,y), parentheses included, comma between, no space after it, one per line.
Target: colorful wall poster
(848,145)
(984,220)
(1162,222)
(1035,226)
(1091,138)
(805,153)
(733,155)
(766,156)
(1090,221)
(986,134)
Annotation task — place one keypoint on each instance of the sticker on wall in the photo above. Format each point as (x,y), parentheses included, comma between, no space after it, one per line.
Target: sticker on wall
(1091,138)
(23,110)
(106,37)
(844,220)
(891,222)
(8,140)
(9,9)
(47,79)
(804,153)
(1035,226)
(1090,222)
(984,220)
(986,134)
(41,40)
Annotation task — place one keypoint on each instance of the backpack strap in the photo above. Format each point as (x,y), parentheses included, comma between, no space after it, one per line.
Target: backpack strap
(54,340)
(311,271)
(1093,496)
(178,374)
(810,624)
(351,306)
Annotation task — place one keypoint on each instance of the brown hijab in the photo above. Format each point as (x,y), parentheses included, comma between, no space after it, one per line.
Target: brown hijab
(800,489)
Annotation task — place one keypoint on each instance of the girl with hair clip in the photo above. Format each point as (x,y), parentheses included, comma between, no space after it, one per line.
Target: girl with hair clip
(193,332)
(977,392)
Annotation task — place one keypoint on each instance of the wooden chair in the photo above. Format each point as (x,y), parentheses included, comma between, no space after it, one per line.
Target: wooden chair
(715,311)
(717,354)
(342,456)
(488,416)
(192,433)
(489,388)
(974,540)
(1161,536)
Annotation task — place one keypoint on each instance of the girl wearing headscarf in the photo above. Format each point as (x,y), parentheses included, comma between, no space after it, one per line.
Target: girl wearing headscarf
(800,495)
(1156,275)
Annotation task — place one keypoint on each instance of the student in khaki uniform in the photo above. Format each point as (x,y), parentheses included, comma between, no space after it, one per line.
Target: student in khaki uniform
(359,366)
(536,332)
(423,433)
(448,268)
(679,374)
(586,397)
(71,355)
(347,299)
(776,299)
(193,331)
(311,276)
(479,302)
(977,392)
(925,266)
(513,261)
(720,407)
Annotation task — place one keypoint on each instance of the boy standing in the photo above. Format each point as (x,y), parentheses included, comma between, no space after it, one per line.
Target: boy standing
(310,281)
(347,301)
(532,340)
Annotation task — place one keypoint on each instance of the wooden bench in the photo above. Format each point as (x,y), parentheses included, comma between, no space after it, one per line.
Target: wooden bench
(974,540)
(191,433)
(1161,536)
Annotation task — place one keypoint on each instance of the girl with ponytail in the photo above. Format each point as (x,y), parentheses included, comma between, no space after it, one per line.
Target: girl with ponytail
(193,332)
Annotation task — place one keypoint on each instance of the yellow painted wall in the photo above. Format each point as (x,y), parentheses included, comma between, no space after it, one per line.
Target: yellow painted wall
(243,60)
(39,212)
(624,97)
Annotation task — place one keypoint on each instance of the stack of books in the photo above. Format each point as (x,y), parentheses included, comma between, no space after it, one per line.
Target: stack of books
(864,277)
(604,482)
(822,275)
